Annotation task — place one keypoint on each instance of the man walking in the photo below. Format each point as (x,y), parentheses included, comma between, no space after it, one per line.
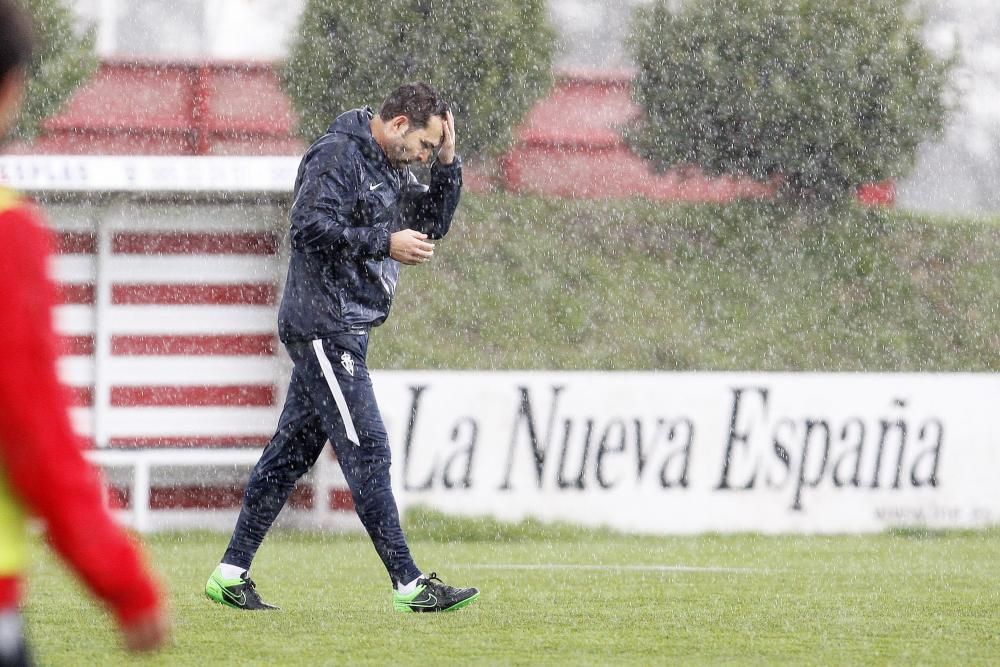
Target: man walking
(358,214)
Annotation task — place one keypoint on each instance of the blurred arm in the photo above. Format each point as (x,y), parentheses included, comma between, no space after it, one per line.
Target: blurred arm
(39,452)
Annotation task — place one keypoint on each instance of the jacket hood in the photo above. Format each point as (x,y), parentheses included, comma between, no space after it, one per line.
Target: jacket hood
(355,124)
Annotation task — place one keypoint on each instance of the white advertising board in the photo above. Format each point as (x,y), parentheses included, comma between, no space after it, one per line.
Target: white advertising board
(697,452)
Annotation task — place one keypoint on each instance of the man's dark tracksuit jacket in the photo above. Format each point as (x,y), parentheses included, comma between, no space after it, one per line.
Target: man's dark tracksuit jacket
(347,203)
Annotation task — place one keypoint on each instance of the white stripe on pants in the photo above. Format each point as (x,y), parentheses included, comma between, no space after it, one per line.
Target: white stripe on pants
(338,394)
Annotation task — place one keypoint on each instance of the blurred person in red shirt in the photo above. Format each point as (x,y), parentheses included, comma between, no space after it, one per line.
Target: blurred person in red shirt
(42,469)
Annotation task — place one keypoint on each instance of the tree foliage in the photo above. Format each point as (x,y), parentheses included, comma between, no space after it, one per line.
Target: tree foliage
(823,95)
(490,60)
(63,60)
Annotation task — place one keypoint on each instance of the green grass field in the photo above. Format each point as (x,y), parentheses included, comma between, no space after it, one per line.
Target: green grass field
(564,596)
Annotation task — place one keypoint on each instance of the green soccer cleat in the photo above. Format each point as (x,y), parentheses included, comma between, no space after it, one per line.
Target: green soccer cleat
(432,594)
(236,593)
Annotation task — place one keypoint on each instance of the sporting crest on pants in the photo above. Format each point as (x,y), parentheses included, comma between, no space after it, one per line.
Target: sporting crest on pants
(347,361)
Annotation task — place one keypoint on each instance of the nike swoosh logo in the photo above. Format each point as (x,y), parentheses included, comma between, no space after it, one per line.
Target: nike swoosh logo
(241,600)
(374,187)
(425,603)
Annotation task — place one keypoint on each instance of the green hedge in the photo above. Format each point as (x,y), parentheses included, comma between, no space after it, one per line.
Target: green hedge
(528,283)
(824,95)
(491,60)
(62,62)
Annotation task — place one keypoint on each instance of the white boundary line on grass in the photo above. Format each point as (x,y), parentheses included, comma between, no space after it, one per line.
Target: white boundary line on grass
(605,568)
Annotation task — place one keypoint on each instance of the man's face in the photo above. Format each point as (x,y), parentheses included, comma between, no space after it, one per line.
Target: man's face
(408,144)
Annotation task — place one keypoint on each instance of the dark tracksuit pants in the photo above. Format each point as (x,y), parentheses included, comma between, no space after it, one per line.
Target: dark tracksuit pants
(330,397)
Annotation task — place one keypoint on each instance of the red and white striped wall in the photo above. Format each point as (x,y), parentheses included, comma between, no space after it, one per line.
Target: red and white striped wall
(169,318)
(168,313)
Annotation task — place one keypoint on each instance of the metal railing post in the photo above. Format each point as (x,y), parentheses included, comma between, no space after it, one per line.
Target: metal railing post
(102,330)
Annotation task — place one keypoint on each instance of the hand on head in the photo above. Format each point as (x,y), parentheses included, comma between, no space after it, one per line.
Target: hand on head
(446,155)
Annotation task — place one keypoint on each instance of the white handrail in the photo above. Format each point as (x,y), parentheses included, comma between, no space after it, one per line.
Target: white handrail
(143,460)
(173,457)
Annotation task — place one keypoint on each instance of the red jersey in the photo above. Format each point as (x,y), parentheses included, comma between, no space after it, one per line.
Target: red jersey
(40,456)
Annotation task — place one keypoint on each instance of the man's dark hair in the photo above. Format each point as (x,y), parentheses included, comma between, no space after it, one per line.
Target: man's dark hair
(17,38)
(417,101)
